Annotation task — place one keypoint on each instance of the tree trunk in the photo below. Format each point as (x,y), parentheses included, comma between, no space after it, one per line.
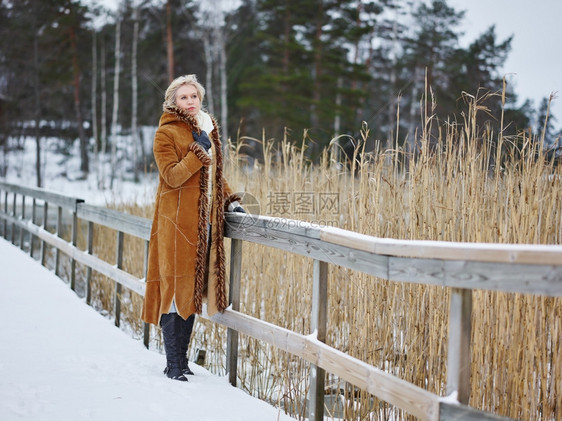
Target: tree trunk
(392,100)
(314,117)
(115,112)
(84,165)
(337,117)
(314,120)
(207,48)
(287,40)
(169,42)
(224,88)
(336,145)
(414,109)
(134,83)
(101,179)
(37,111)
(94,98)
(356,110)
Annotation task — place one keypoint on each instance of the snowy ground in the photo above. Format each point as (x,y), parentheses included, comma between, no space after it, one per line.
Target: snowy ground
(61,360)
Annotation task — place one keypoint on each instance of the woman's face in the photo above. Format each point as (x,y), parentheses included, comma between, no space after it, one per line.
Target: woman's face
(188,99)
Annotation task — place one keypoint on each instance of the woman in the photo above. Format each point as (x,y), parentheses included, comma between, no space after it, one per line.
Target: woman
(186,254)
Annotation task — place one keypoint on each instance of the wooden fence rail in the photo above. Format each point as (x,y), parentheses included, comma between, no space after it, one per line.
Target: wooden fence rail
(530,269)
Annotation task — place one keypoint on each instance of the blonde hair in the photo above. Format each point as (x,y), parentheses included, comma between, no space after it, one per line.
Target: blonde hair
(170,96)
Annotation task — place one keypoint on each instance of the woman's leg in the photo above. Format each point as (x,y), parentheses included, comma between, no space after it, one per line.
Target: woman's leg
(169,323)
(184,337)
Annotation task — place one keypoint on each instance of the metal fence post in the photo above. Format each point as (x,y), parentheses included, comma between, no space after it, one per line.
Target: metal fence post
(458,354)
(318,323)
(234,301)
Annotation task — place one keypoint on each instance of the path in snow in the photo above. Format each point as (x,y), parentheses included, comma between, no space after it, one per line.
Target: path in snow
(61,360)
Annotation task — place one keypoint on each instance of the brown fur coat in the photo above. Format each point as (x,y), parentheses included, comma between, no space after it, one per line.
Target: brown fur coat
(177,256)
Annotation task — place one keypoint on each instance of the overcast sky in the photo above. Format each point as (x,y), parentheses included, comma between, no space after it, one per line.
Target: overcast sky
(534,65)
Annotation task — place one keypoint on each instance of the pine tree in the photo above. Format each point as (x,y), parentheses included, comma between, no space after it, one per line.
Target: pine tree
(42,85)
(74,13)
(382,48)
(320,67)
(305,75)
(427,58)
(134,93)
(545,124)
(477,71)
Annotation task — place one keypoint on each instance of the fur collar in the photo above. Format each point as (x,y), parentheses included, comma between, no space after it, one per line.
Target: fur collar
(184,116)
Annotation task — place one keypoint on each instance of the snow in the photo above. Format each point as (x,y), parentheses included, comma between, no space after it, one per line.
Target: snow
(452,398)
(61,360)
(61,174)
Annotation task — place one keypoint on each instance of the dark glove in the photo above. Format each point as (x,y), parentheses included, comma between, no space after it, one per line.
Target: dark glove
(202,139)
(239,209)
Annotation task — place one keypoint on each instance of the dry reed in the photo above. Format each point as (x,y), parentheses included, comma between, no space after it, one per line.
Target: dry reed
(464,183)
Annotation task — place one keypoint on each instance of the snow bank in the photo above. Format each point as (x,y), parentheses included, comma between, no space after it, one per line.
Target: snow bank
(61,360)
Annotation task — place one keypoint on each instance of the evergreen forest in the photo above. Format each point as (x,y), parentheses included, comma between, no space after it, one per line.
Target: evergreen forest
(273,69)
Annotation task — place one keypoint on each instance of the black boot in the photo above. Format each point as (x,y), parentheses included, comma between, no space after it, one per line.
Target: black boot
(169,323)
(184,336)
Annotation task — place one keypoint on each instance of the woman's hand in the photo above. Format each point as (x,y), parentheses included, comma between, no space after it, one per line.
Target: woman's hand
(202,139)
(236,207)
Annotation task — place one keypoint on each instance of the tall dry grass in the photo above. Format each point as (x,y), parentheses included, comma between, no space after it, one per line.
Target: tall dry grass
(463,183)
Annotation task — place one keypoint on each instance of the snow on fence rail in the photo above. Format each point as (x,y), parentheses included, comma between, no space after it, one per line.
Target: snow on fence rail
(534,269)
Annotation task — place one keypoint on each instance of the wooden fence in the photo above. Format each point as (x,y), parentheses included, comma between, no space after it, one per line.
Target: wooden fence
(529,269)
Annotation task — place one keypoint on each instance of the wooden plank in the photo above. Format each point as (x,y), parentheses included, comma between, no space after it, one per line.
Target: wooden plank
(120,276)
(457,412)
(33,221)
(459,346)
(74,239)
(13,233)
(119,221)
(67,202)
(314,248)
(319,318)
(446,250)
(510,277)
(101,266)
(45,225)
(413,399)
(318,322)
(146,333)
(240,221)
(5,231)
(234,302)
(22,217)
(58,233)
(521,278)
(119,264)
(90,248)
